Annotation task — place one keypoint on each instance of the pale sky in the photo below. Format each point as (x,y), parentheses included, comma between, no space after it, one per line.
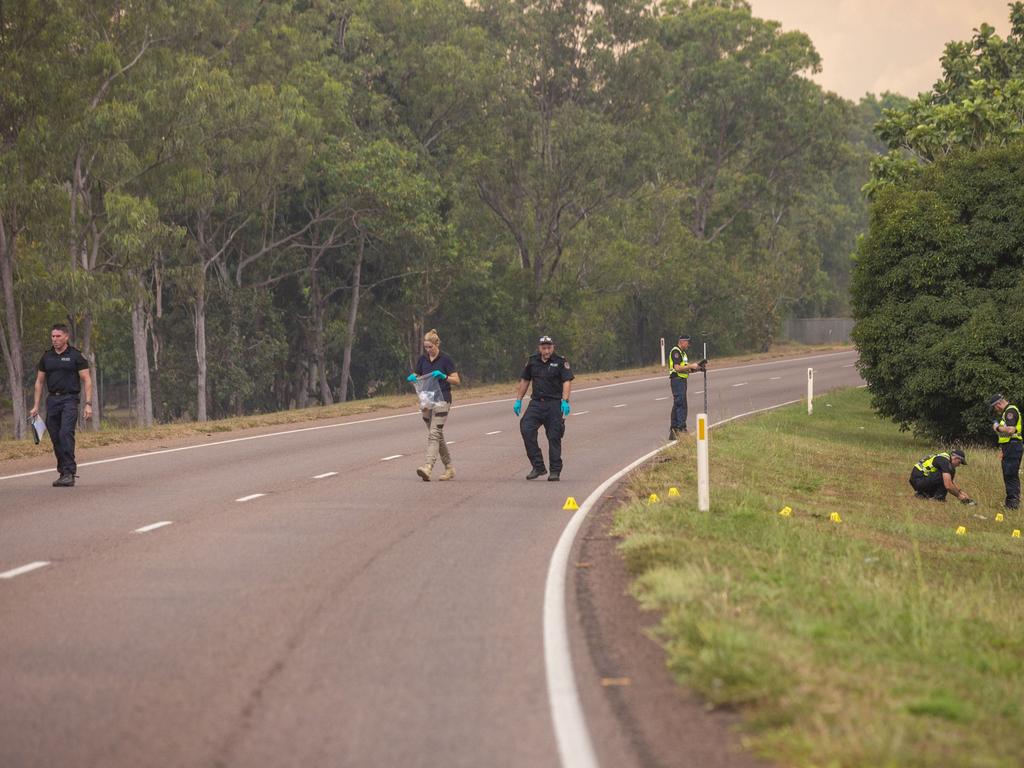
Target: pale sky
(883,45)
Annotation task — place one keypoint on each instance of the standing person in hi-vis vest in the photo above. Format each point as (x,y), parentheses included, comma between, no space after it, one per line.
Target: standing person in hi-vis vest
(679,370)
(1011,446)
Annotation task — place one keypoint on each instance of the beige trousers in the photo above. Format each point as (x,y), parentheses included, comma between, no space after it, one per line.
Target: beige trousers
(435,420)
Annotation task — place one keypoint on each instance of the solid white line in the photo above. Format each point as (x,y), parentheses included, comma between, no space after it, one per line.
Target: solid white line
(620,405)
(317,428)
(24,569)
(495,432)
(580,413)
(325,474)
(251,496)
(575,748)
(153,527)
(741,384)
(396,456)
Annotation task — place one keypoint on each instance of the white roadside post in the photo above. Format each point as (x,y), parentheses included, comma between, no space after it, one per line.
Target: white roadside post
(810,391)
(662,351)
(703,490)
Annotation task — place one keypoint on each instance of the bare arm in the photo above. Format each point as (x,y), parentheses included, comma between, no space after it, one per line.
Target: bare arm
(952,487)
(40,380)
(453,378)
(566,388)
(86,376)
(521,389)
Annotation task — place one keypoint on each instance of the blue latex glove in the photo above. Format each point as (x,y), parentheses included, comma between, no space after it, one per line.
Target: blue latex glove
(565,408)
(517,406)
(439,375)
(411,377)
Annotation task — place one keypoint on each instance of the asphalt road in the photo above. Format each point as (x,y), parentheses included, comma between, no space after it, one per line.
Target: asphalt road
(350,615)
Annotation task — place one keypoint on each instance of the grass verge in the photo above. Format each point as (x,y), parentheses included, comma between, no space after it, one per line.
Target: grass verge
(119,435)
(883,640)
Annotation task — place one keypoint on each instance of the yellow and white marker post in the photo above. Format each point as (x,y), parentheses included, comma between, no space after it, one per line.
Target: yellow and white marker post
(662,351)
(703,489)
(810,391)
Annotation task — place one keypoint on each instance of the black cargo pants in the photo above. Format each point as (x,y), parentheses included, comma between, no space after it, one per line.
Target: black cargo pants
(548,413)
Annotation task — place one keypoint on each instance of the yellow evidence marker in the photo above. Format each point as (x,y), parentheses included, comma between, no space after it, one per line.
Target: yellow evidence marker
(835,518)
(1016,533)
(570,504)
(961,531)
(653,499)
(999,517)
(786,512)
(673,491)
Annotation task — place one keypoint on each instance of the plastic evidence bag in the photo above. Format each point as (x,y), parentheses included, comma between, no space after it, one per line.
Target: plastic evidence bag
(428,389)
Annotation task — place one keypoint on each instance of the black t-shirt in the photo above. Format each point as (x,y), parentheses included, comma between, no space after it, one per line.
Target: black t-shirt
(547,377)
(62,370)
(441,363)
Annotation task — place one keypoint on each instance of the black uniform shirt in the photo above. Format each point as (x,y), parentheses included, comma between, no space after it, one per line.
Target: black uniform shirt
(942,465)
(62,371)
(547,377)
(441,363)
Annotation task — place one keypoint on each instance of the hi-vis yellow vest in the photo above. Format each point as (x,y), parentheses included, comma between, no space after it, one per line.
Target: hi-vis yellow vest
(1002,423)
(926,467)
(672,371)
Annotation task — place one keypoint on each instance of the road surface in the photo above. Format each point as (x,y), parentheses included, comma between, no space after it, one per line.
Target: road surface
(302,598)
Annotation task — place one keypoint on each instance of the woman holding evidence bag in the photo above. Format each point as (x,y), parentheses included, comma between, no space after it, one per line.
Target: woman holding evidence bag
(433,362)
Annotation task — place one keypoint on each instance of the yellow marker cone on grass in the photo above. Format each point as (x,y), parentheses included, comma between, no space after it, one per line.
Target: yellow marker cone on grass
(673,491)
(999,517)
(653,499)
(961,531)
(570,503)
(786,512)
(1016,533)
(835,518)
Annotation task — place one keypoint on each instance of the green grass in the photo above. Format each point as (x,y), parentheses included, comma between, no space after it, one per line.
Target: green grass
(885,640)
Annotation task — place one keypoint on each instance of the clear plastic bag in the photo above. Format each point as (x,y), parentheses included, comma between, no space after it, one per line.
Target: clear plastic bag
(428,389)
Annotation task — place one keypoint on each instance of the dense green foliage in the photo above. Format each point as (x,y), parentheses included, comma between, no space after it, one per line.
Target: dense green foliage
(939,276)
(263,204)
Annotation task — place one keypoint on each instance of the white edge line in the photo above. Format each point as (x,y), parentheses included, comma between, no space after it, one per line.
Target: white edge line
(153,527)
(24,569)
(575,748)
(251,496)
(391,416)
(325,474)
(396,456)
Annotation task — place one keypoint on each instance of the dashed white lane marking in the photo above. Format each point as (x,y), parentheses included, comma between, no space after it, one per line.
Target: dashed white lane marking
(325,474)
(662,398)
(848,366)
(774,378)
(699,392)
(153,527)
(24,569)
(620,405)
(580,413)
(251,496)
(449,442)
(392,458)
(495,432)
(741,384)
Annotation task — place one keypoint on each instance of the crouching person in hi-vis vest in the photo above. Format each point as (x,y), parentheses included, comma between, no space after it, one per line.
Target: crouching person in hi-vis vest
(932,478)
(1011,446)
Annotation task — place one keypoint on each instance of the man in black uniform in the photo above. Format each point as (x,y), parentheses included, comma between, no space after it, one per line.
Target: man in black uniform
(679,370)
(64,371)
(932,478)
(549,405)
(1011,446)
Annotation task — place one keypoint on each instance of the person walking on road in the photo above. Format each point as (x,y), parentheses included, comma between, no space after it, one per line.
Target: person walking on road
(1011,446)
(679,370)
(932,478)
(64,371)
(552,378)
(439,365)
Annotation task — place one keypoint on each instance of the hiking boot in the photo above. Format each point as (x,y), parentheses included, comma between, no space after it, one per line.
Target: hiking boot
(553,477)
(424,472)
(535,473)
(449,473)
(672,435)
(64,481)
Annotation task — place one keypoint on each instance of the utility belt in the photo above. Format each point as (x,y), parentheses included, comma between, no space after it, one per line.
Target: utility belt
(545,399)
(61,393)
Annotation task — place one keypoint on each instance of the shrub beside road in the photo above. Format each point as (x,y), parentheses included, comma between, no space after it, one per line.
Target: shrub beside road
(883,639)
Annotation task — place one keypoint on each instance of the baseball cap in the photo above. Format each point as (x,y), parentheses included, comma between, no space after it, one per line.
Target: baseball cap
(545,340)
(684,337)
(995,399)
(961,454)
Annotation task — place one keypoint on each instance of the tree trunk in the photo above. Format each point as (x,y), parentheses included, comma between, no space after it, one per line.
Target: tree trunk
(326,396)
(353,314)
(200,330)
(140,344)
(10,329)
(90,355)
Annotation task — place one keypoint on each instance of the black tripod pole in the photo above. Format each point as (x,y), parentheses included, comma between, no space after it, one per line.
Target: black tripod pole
(705,357)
